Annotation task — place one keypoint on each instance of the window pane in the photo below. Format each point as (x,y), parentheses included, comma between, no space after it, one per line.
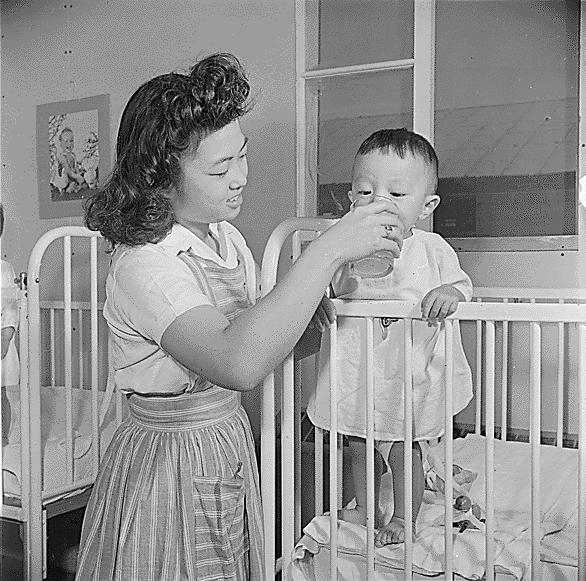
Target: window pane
(358,31)
(506,117)
(341,113)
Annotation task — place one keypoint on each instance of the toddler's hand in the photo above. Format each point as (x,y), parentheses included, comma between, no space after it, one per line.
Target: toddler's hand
(324,315)
(440,302)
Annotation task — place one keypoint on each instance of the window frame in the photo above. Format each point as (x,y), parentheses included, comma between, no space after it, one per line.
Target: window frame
(423,65)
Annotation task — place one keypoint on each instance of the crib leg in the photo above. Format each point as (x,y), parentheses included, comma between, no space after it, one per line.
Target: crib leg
(44,544)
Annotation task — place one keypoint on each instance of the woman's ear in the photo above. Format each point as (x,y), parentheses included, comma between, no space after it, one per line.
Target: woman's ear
(431,203)
(350,196)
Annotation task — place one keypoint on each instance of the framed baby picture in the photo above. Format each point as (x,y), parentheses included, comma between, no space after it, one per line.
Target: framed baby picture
(73,153)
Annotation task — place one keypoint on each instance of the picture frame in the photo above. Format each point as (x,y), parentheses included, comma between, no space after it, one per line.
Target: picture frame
(73,153)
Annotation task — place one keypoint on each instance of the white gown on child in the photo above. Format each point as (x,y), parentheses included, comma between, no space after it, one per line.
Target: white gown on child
(426,262)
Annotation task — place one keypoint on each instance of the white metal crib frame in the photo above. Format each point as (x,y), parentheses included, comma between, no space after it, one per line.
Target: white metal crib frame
(37,501)
(486,314)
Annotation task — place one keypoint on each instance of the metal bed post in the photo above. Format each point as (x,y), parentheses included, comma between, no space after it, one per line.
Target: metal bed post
(32,490)
(535,440)
(333,452)
(408,447)
(94,350)
(505,378)
(287,463)
(67,345)
(24,411)
(31,452)
(448,453)
(582,453)
(370,493)
(561,382)
(270,263)
(489,449)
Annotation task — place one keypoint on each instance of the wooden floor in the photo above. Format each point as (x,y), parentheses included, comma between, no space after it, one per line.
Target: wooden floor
(63,533)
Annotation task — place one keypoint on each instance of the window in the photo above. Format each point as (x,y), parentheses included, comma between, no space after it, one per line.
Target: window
(357,72)
(506,123)
(494,85)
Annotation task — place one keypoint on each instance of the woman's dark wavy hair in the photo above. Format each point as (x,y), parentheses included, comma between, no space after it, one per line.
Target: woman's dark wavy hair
(165,118)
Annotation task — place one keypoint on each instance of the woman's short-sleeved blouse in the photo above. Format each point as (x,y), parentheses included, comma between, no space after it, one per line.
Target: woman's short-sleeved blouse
(147,288)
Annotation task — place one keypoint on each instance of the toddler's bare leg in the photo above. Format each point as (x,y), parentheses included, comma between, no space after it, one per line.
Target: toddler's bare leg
(358,466)
(394,531)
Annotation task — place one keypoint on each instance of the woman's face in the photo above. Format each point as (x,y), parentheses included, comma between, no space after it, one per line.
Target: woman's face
(212,180)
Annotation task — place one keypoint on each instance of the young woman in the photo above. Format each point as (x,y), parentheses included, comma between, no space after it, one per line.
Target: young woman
(177,496)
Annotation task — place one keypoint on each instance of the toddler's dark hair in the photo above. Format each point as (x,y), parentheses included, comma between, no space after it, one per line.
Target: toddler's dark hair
(166,118)
(400,141)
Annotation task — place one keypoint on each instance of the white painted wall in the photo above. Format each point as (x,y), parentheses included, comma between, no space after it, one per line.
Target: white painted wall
(115,46)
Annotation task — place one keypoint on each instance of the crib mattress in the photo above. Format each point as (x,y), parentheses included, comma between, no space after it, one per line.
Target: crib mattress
(53,439)
(512,522)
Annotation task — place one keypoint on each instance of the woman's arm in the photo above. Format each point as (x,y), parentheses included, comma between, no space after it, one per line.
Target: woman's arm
(239,354)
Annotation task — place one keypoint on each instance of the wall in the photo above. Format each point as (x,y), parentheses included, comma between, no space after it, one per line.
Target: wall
(52,51)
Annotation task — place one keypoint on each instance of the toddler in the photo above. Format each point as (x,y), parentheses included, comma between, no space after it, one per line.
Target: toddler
(400,165)
(10,366)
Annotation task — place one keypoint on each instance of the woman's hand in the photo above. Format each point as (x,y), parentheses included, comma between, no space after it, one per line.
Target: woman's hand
(322,319)
(362,232)
(324,315)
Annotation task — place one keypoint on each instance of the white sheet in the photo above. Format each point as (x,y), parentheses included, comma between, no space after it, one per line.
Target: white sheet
(351,567)
(53,434)
(512,518)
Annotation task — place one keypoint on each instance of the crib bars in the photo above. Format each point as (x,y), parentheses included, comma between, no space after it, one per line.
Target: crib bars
(34,495)
(486,312)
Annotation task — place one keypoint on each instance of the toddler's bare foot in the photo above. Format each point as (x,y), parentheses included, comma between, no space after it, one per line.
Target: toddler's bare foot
(355,515)
(392,533)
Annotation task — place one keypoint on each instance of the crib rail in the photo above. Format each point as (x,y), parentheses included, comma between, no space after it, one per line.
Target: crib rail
(494,312)
(291,411)
(487,315)
(72,333)
(535,294)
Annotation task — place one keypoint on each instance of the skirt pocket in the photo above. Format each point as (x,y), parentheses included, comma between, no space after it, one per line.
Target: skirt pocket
(221,531)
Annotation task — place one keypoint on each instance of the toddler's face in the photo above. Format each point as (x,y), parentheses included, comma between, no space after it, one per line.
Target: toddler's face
(67,141)
(408,181)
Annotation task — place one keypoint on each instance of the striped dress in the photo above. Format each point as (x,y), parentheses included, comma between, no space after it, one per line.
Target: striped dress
(177,496)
